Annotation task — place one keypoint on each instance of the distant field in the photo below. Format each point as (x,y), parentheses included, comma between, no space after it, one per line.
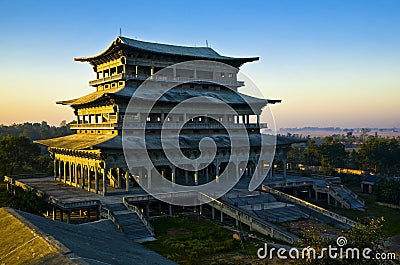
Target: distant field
(323,133)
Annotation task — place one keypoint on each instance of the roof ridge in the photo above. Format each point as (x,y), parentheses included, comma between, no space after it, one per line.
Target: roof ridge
(167,44)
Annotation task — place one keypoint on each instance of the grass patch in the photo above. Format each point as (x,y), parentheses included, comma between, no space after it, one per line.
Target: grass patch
(373,210)
(196,240)
(21,245)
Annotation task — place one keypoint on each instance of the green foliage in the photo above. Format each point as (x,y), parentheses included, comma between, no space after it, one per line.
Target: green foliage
(16,152)
(312,155)
(370,235)
(187,240)
(378,154)
(35,131)
(388,191)
(333,154)
(27,201)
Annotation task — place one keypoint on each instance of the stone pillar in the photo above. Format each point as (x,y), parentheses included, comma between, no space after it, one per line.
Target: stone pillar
(149,177)
(141,176)
(82,178)
(196,176)
(237,172)
(119,178)
(68,217)
(222,217)
(316,195)
(54,213)
(186,177)
(173,174)
(127,181)
(55,169)
(96,180)
(70,172)
(59,170)
(212,212)
(272,170)
(76,174)
(284,168)
(148,210)
(65,172)
(217,171)
(88,178)
(201,209)
(170,212)
(105,172)
(329,198)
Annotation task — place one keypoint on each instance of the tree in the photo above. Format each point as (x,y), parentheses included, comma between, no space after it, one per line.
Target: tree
(312,156)
(380,154)
(370,235)
(295,155)
(16,151)
(333,153)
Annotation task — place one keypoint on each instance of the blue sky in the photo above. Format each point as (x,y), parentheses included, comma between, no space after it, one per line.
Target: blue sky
(333,63)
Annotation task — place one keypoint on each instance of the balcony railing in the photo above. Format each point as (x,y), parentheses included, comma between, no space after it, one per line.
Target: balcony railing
(166,125)
(106,79)
(189,125)
(93,126)
(163,78)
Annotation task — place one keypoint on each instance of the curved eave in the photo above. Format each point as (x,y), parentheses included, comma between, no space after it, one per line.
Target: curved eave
(119,43)
(124,93)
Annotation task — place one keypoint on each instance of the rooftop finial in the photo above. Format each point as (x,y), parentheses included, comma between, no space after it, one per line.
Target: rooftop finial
(206,43)
(120,32)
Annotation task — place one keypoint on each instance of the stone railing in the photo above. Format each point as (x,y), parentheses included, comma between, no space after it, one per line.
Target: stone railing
(107,214)
(353,194)
(255,223)
(297,201)
(136,210)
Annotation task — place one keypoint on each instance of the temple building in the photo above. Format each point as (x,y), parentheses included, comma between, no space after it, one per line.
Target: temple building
(93,157)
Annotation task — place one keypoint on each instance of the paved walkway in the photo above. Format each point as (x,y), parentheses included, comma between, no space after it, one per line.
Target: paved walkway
(67,194)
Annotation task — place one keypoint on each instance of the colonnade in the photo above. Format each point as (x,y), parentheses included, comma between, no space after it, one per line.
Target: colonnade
(89,174)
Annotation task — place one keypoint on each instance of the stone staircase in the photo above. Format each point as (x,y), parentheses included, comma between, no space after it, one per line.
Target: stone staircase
(128,221)
(352,199)
(341,194)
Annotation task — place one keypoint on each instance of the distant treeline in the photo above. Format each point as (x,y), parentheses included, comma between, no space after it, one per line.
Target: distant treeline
(377,154)
(35,131)
(18,153)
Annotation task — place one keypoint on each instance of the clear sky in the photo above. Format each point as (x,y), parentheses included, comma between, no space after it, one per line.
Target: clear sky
(333,63)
